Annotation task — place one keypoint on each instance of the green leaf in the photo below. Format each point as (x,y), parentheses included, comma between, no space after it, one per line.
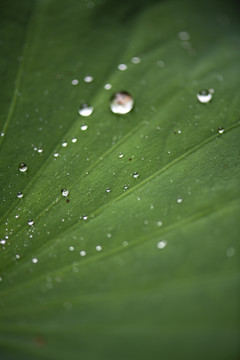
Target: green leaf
(151,268)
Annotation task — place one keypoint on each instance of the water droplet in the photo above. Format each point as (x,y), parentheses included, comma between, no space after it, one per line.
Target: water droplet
(82,253)
(85,110)
(98,248)
(107,86)
(122,67)
(108,190)
(30,222)
(109,235)
(183,35)
(74,140)
(17,256)
(22,167)
(34,260)
(159,223)
(230,251)
(84,127)
(75,82)
(162,244)
(1,278)
(16,216)
(135,60)
(179,200)
(40,150)
(204,96)
(88,78)
(220,129)
(120,155)
(125,187)
(71,248)
(2,241)
(2,134)
(19,194)
(65,192)
(64,144)
(85,217)
(56,154)
(121,103)
(135,175)
(125,243)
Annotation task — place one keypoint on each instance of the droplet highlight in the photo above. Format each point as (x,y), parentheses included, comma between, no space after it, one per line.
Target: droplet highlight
(85,110)
(121,103)
(204,96)
(161,244)
(22,167)
(65,192)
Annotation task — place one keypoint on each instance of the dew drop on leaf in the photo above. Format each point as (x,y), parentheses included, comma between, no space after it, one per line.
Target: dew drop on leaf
(121,103)
(22,167)
(82,253)
(75,82)
(84,127)
(179,200)
(85,110)
(135,175)
(135,60)
(98,248)
(34,260)
(204,96)
(108,190)
(162,244)
(64,144)
(19,194)
(65,192)
(88,78)
(122,67)
(30,222)
(220,130)
(107,86)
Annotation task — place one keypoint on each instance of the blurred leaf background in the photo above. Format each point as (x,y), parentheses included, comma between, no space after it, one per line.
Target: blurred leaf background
(160,273)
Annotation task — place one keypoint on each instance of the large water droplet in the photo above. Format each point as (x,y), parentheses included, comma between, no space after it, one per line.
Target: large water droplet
(121,103)
(19,194)
(204,96)
(162,244)
(22,167)
(85,110)
(65,192)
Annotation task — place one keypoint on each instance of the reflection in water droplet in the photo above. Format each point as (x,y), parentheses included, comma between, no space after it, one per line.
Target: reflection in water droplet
(108,190)
(19,194)
(75,82)
(135,60)
(122,67)
(107,86)
(34,260)
(64,192)
(121,103)
(84,127)
(183,35)
(82,253)
(30,222)
(98,248)
(64,144)
(85,110)
(22,167)
(88,78)
(135,175)
(179,200)
(162,244)
(220,129)
(204,96)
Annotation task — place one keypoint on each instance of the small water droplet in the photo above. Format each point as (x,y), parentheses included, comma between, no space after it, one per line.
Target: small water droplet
(109,235)
(17,256)
(107,86)
(71,248)
(162,244)
(34,260)
(85,217)
(84,127)
(88,78)
(135,175)
(184,36)
(121,103)
(65,192)
(125,187)
(22,167)
(204,96)
(40,150)
(159,223)
(1,278)
(56,154)
(220,130)
(108,190)
(122,67)
(2,241)
(82,253)
(74,140)
(179,200)
(64,144)
(85,110)
(120,155)
(19,194)
(98,248)
(30,222)
(125,243)
(16,216)
(75,82)
(135,60)
(2,134)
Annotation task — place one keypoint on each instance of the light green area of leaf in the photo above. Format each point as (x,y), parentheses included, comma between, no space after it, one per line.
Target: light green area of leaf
(131,300)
